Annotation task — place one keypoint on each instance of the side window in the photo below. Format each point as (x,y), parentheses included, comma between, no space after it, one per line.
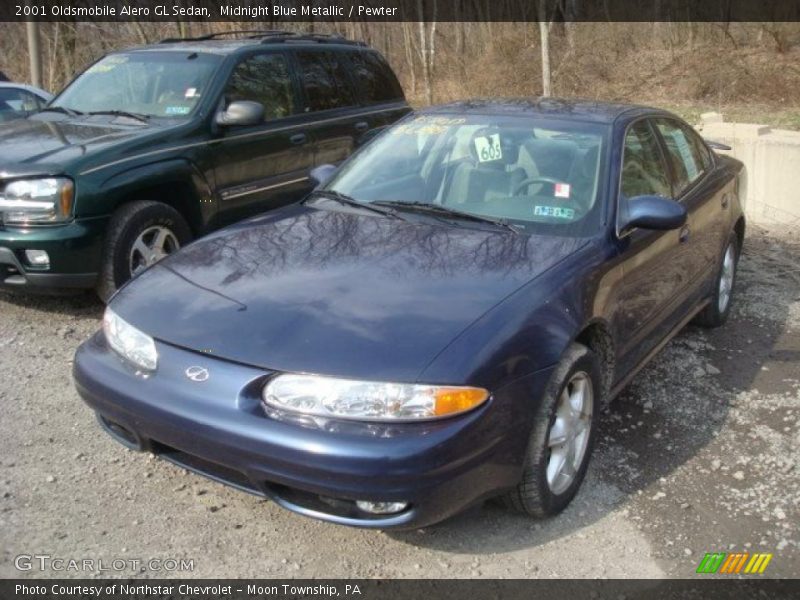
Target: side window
(375,78)
(643,169)
(12,99)
(688,153)
(325,79)
(263,78)
(32,101)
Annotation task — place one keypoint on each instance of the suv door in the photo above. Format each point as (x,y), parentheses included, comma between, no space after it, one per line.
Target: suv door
(691,163)
(330,103)
(653,283)
(378,90)
(263,166)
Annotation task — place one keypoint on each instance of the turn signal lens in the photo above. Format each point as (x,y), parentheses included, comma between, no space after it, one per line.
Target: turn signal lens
(456,400)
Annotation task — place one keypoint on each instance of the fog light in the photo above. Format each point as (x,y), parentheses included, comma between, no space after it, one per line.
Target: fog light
(37,258)
(381,508)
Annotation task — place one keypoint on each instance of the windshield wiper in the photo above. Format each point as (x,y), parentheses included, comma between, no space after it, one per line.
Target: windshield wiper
(61,109)
(446,211)
(121,113)
(349,201)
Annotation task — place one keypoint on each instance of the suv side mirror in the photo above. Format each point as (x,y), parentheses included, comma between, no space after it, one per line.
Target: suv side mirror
(241,112)
(321,175)
(651,212)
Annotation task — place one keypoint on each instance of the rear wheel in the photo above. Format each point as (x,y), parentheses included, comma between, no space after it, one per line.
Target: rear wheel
(140,234)
(562,438)
(716,313)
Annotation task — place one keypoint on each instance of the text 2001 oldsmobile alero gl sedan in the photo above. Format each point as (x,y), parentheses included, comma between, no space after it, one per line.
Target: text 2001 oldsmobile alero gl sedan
(439,323)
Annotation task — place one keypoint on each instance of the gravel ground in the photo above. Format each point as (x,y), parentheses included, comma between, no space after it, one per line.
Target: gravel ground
(701,453)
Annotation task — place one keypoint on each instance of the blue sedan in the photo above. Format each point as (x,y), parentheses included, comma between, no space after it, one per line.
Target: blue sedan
(439,322)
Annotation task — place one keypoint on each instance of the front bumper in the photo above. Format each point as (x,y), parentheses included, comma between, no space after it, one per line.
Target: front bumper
(74,249)
(218,428)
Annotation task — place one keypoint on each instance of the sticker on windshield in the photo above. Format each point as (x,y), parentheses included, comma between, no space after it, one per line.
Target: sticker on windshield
(488,148)
(561,190)
(108,64)
(177,110)
(554,211)
(191,92)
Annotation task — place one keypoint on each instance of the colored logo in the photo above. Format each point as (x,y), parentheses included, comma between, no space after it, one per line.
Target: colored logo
(734,562)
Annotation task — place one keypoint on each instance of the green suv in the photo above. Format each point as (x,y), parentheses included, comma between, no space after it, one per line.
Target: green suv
(151,147)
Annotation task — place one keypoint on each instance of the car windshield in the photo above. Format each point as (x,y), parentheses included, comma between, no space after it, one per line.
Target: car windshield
(539,174)
(154,84)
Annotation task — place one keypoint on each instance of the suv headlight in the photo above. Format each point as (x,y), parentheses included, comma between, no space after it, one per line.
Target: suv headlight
(37,201)
(369,400)
(133,345)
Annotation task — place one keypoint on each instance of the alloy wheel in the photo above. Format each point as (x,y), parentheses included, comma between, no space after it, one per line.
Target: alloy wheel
(726,279)
(569,433)
(153,244)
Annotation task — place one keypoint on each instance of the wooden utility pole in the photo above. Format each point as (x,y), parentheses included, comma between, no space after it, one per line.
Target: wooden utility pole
(544,34)
(34,52)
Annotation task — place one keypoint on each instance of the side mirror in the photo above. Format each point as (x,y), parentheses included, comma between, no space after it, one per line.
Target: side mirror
(651,212)
(718,145)
(321,175)
(241,112)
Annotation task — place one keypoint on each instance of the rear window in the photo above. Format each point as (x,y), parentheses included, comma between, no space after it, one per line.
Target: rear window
(325,80)
(376,81)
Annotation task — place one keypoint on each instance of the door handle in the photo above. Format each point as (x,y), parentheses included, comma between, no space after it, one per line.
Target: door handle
(726,200)
(362,126)
(684,234)
(298,138)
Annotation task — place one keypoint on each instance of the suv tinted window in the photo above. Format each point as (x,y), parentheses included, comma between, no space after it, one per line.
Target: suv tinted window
(263,78)
(643,169)
(375,78)
(325,80)
(689,154)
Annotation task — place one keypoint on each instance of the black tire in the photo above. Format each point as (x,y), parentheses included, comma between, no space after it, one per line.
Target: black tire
(533,495)
(127,224)
(711,315)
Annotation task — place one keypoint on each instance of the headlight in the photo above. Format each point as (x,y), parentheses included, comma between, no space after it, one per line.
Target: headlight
(368,400)
(37,201)
(130,343)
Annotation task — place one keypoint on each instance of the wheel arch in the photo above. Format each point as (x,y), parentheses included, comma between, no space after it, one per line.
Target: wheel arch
(176,183)
(596,336)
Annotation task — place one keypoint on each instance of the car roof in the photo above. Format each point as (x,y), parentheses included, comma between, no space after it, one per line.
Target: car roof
(566,109)
(218,44)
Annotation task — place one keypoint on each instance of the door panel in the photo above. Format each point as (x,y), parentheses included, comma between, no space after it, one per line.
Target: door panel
(330,99)
(264,166)
(701,194)
(653,263)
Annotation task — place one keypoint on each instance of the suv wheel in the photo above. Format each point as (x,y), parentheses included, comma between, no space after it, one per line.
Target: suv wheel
(562,438)
(140,234)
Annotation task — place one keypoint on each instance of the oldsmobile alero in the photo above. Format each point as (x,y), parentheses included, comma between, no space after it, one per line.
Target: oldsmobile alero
(439,322)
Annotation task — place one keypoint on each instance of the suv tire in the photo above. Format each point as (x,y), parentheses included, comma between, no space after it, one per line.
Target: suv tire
(155,228)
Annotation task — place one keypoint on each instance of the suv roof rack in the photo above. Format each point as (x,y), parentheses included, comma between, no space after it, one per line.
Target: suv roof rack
(269,36)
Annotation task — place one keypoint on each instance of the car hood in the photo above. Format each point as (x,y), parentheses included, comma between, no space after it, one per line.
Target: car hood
(334,292)
(33,145)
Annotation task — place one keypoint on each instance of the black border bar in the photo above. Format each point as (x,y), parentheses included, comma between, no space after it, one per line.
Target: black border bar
(273,12)
(703,588)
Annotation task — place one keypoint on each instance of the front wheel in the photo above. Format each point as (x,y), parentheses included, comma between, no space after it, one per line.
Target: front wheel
(716,313)
(140,234)
(562,438)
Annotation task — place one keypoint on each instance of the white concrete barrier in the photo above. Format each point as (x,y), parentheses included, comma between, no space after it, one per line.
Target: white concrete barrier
(771,191)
